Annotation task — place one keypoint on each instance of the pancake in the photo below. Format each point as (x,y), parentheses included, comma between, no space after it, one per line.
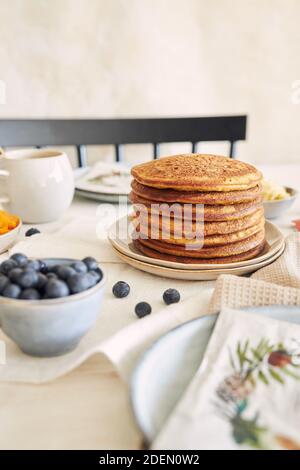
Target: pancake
(228,249)
(213,197)
(182,259)
(210,228)
(212,240)
(211,212)
(197,172)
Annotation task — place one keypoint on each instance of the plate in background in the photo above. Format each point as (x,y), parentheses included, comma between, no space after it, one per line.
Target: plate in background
(104,182)
(109,198)
(172,361)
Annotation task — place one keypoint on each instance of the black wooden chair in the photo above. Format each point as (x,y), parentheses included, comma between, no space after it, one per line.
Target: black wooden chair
(83,132)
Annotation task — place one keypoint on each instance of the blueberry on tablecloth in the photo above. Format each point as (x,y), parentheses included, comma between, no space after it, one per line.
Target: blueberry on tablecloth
(171,296)
(31,231)
(121,289)
(142,309)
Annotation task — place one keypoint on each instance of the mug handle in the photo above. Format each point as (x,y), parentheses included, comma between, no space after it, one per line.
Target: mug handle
(4,174)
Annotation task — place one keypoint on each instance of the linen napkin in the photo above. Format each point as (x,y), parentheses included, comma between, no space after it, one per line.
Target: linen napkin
(278,283)
(245,395)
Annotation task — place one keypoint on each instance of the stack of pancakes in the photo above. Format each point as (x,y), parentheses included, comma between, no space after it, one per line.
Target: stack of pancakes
(220,200)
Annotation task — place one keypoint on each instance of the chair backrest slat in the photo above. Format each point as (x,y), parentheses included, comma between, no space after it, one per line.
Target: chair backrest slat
(232,149)
(194,147)
(82,155)
(118,152)
(155,150)
(81,132)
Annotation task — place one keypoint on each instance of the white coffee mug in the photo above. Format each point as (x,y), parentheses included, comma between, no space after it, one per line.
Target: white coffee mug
(38,184)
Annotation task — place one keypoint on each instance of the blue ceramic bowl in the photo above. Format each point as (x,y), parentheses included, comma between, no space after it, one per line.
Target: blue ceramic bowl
(51,327)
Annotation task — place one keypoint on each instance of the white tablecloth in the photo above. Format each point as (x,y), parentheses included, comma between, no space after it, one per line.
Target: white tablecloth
(41,430)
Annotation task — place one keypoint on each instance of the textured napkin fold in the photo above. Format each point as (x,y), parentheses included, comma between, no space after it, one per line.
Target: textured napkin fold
(275,284)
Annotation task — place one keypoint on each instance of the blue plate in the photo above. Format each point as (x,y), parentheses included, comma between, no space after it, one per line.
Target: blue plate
(166,369)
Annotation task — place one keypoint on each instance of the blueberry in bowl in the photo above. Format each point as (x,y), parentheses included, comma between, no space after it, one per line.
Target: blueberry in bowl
(46,306)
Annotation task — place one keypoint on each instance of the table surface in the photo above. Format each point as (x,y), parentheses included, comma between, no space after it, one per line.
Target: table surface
(89,408)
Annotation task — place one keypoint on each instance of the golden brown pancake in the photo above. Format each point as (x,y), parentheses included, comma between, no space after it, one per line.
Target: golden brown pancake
(197,172)
(228,249)
(211,213)
(210,228)
(213,197)
(212,240)
(182,259)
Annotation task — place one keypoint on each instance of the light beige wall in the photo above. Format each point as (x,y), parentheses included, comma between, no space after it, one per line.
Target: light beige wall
(108,58)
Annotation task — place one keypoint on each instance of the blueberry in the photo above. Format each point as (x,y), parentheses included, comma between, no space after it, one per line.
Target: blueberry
(33,264)
(142,309)
(79,266)
(7,265)
(42,281)
(30,294)
(121,289)
(20,259)
(56,288)
(90,262)
(92,279)
(31,231)
(12,291)
(29,278)
(97,275)
(64,272)
(54,268)
(4,281)
(78,283)
(43,267)
(14,274)
(171,296)
(51,275)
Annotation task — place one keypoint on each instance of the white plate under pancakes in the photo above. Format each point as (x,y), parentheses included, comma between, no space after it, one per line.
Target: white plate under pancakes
(196,274)
(122,242)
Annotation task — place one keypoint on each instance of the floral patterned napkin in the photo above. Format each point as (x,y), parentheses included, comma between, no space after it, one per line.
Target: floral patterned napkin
(246,393)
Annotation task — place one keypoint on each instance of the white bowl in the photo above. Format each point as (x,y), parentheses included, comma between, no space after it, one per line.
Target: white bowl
(9,238)
(51,327)
(274,209)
